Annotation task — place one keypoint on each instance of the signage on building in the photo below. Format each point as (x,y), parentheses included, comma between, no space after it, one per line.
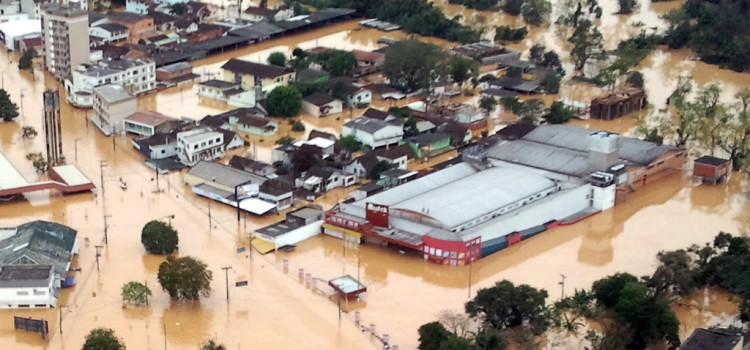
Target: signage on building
(377,214)
(248,191)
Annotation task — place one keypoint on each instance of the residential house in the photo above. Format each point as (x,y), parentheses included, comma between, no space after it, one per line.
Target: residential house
(278,193)
(253,76)
(176,73)
(428,145)
(205,32)
(160,40)
(362,166)
(201,144)
(163,22)
(320,179)
(373,133)
(299,225)
(252,166)
(185,25)
(374,113)
(394,177)
(519,85)
(485,52)
(231,139)
(196,10)
(283,154)
(218,89)
(368,62)
(325,145)
(149,123)
(353,95)
(157,146)
(712,339)
(137,6)
(312,76)
(112,104)
(321,105)
(259,14)
(364,191)
(31,43)
(108,33)
(139,26)
(251,121)
(28,286)
(41,243)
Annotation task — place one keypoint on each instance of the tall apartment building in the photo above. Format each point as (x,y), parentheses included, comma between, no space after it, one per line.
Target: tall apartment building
(112,104)
(136,76)
(65,34)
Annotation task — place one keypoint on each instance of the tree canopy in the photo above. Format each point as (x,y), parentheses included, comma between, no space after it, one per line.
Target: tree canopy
(27,58)
(284,101)
(506,305)
(337,62)
(211,344)
(350,143)
(412,64)
(135,292)
(586,44)
(277,58)
(178,9)
(103,339)
(8,109)
(185,278)
(558,113)
(159,237)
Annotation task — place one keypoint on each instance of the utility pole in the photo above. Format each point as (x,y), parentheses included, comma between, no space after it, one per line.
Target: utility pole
(165,335)
(98,254)
(470,265)
(226,278)
(61,313)
(562,284)
(75,145)
(209,216)
(156,170)
(146,293)
(106,228)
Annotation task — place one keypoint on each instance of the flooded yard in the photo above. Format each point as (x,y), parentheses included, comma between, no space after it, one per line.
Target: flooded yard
(276,309)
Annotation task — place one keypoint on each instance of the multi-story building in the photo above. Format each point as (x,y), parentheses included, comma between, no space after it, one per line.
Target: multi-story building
(200,144)
(28,286)
(136,76)
(65,33)
(112,104)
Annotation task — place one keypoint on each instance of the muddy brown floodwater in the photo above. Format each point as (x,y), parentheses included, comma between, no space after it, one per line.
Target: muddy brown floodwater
(276,310)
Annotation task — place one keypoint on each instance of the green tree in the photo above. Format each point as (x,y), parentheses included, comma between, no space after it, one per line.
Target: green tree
(8,109)
(211,344)
(135,292)
(558,113)
(28,132)
(410,126)
(431,335)
(412,64)
(455,342)
(27,58)
(648,315)
(380,167)
(531,110)
(285,140)
(462,68)
(635,79)
(507,33)
(627,6)
(38,161)
(505,305)
(514,72)
(487,103)
(284,101)
(550,82)
(337,62)
(536,12)
(277,58)
(178,9)
(185,278)
(575,308)
(513,7)
(677,273)
(587,44)
(298,126)
(159,237)
(607,290)
(103,339)
(350,143)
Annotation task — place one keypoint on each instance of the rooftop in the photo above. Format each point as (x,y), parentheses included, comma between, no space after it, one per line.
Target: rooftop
(25,276)
(220,84)
(367,124)
(40,242)
(11,177)
(113,27)
(255,69)
(310,74)
(64,10)
(711,339)
(112,93)
(20,27)
(319,99)
(127,17)
(347,285)
(149,118)
(176,67)
(223,175)
(712,160)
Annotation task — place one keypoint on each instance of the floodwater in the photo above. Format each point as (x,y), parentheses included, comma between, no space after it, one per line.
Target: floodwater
(276,309)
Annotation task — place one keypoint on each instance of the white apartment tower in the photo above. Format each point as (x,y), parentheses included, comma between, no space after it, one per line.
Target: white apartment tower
(65,38)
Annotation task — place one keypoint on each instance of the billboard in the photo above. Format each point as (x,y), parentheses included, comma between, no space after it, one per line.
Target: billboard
(247,191)
(377,214)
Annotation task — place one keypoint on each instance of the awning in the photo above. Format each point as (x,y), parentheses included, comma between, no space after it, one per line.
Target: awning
(69,281)
(256,206)
(346,231)
(263,246)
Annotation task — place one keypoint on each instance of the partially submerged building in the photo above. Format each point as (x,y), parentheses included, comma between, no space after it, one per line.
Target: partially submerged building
(618,104)
(299,225)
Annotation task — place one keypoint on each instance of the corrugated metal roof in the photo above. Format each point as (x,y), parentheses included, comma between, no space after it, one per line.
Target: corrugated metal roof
(541,156)
(223,174)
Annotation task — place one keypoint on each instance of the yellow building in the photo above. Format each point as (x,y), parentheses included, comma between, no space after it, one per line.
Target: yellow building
(255,75)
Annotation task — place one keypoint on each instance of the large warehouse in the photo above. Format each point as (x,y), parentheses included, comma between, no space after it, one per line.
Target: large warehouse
(475,208)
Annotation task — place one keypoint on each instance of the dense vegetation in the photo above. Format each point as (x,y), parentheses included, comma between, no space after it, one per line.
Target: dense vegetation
(159,237)
(508,33)
(412,65)
(717,31)
(481,5)
(414,16)
(103,339)
(634,312)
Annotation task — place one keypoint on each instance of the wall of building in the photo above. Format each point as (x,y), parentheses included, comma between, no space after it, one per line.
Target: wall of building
(295,236)
(40,297)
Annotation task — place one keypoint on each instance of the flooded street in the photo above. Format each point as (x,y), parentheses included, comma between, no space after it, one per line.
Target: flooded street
(276,310)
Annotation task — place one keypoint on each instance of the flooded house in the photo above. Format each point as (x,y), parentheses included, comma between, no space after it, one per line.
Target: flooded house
(298,226)
(618,104)
(485,52)
(711,170)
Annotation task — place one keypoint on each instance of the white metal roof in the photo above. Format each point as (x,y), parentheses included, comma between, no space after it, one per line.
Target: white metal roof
(10,177)
(21,27)
(71,175)
(347,284)
(318,141)
(256,206)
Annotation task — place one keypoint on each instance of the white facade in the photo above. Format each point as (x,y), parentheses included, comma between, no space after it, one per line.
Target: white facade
(135,76)
(199,144)
(333,107)
(34,293)
(11,32)
(383,134)
(137,6)
(361,96)
(108,36)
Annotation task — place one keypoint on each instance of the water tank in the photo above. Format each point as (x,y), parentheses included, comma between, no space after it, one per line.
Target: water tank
(604,142)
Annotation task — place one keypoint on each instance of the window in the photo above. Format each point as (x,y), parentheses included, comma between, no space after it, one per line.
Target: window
(22,292)
(23,305)
(40,292)
(40,305)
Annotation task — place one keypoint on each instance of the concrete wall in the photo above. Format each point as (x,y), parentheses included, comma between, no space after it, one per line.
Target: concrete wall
(298,235)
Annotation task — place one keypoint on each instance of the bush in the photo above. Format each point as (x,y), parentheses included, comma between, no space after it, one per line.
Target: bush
(284,101)
(558,113)
(185,278)
(159,238)
(506,33)
(298,126)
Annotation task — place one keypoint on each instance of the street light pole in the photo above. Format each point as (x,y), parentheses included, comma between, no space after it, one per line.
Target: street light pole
(75,146)
(562,284)
(226,278)
(21,101)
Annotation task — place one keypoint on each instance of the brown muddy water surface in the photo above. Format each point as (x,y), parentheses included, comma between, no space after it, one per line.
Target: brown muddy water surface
(276,310)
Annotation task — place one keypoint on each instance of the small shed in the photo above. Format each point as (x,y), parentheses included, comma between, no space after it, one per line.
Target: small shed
(618,104)
(347,286)
(711,170)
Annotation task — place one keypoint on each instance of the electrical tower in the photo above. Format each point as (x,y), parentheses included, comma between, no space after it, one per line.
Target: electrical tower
(52,128)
